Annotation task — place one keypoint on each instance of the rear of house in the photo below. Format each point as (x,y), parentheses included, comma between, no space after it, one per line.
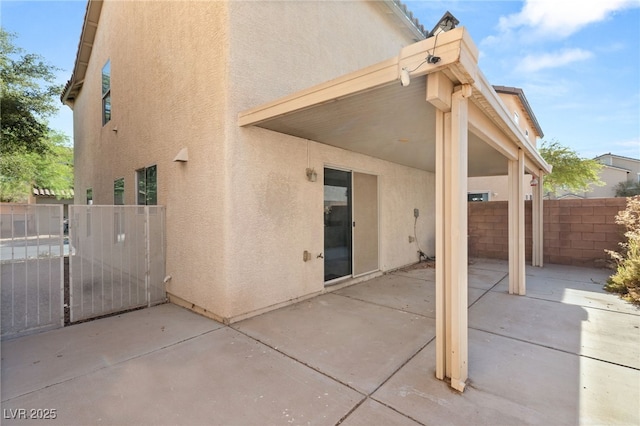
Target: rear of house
(255,218)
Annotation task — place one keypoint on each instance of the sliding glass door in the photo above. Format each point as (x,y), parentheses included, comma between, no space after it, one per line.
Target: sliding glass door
(350,224)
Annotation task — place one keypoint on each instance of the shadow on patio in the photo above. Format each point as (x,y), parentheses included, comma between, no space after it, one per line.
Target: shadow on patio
(566,353)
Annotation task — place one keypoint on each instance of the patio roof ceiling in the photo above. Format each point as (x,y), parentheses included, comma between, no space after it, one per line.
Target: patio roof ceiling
(370,112)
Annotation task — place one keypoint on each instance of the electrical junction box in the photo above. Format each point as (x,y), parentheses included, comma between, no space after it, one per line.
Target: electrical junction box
(416,213)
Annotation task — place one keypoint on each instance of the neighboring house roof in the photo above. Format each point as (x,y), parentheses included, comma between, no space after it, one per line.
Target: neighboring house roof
(45,192)
(616,168)
(523,99)
(90,26)
(617,156)
(571,196)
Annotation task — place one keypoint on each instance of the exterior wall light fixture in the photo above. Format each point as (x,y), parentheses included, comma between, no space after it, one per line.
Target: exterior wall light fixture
(183,156)
(312,176)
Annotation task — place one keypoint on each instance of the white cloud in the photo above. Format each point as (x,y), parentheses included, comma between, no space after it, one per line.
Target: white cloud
(537,62)
(562,18)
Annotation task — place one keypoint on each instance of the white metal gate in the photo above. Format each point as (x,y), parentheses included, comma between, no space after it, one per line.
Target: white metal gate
(32,246)
(117,259)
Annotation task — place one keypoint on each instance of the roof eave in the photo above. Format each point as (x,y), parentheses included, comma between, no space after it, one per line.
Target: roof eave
(85,46)
(525,103)
(412,23)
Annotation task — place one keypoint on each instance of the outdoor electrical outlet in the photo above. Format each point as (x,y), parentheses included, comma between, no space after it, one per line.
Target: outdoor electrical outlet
(306,256)
(416,213)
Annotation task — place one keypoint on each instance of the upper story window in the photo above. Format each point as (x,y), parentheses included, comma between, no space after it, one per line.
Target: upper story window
(147,186)
(106,93)
(516,117)
(89,196)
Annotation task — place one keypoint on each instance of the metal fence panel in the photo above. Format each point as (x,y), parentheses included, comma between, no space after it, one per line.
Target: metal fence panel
(32,247)
(117,261)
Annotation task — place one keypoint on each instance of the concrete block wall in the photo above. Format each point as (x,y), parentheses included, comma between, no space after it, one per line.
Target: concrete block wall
(576,232)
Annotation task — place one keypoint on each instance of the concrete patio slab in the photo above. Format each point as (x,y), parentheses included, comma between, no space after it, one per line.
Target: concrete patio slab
(581,293)
(515,382)
(489,264)
(221,377)
(357,343)
(571,273)
(567,353)
(40,360)
(371,413)
(484,279)
(428,274)
(597,333)
(401,292)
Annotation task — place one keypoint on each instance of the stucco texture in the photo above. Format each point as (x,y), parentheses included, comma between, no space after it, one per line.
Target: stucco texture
(167,81)
(279,212)
(240,212)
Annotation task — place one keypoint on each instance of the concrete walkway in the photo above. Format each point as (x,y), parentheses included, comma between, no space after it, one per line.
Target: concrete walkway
(567,353)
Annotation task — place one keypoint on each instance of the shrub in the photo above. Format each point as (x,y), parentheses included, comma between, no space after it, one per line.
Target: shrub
(626,280)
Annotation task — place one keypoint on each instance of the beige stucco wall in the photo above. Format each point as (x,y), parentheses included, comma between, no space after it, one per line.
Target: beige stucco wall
(277,212)
(633,165)
(167,81)
(497,186)
(513,104)
(610,176)
(240,212)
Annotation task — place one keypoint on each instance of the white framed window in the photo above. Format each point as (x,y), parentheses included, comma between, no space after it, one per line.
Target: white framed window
(516,117)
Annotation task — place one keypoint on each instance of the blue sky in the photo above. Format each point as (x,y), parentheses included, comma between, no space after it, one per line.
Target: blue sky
(578,61)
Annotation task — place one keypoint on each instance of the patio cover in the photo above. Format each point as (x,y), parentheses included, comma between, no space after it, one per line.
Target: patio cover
(448,120)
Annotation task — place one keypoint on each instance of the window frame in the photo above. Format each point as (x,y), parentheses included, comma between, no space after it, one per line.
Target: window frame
(147,195)
(481,193)
(106,92)
(118,189)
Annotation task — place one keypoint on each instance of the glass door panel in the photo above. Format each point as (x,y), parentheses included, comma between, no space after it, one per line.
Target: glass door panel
(337,224)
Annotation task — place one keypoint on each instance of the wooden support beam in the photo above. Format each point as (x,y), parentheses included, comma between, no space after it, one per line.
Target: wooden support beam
(451,240)
(537,222)
(442,121)
(516,226)
(459,239)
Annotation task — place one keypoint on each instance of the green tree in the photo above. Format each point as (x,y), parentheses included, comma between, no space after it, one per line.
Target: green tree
(627,188)
(21,169)
(570,171)
(30,152)
(28,97)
